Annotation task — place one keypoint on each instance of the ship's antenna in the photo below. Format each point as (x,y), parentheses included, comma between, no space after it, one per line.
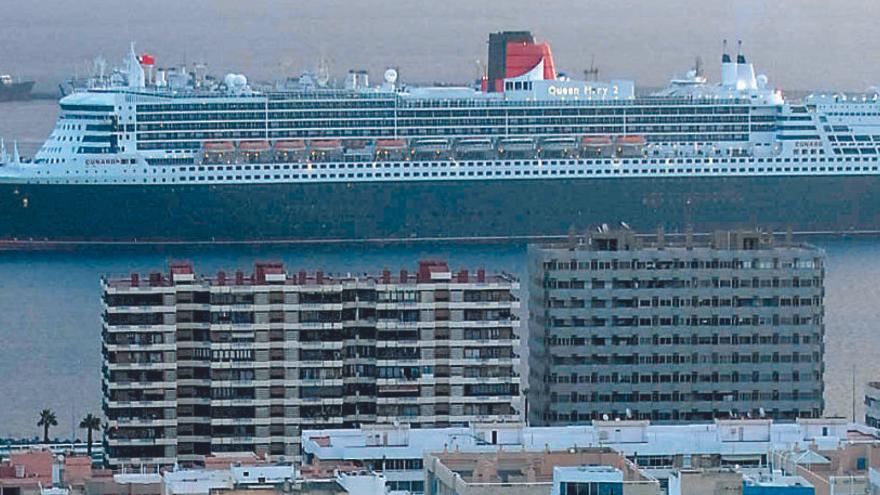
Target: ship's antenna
(592,74)
(854,393)
(481,69)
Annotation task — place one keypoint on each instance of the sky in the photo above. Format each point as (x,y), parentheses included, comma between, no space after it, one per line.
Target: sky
(799,44)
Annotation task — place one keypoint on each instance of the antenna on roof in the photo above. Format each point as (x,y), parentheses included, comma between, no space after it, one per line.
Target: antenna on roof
(592,74)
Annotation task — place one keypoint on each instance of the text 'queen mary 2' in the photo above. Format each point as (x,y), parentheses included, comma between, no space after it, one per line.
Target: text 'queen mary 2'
(157,155)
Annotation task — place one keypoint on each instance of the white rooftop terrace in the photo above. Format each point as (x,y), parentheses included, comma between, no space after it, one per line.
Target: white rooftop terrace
(731,438)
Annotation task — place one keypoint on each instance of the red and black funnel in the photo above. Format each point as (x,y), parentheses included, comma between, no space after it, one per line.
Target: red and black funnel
(514,53)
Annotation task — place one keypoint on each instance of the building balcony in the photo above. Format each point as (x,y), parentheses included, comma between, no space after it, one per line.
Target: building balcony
(123,442)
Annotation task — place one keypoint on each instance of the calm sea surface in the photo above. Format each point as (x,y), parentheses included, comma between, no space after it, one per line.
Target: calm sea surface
(50,328)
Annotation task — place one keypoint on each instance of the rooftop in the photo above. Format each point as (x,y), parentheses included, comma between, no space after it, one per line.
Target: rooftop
(274,273)
(734,439)
(623,238)
(539,467)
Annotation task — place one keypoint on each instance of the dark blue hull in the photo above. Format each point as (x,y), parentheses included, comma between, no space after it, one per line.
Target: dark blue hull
(16,91)
(421,210)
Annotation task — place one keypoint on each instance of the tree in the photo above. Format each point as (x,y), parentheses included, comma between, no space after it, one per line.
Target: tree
(47,420)
(90,423)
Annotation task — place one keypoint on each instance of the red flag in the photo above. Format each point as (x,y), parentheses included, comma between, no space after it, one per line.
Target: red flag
(147,59)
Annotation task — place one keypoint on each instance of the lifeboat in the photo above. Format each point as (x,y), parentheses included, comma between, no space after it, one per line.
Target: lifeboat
(631,140)
(218,152)
(597,146)
(290,149)
(473,148)
(326,149)
(630,146)
(516,147)
(254,146)
(430,148)
(326,145)
(558,147)
(290,145)
(355,144)
(390,144)
(219,147)
(356,149)
(390,149)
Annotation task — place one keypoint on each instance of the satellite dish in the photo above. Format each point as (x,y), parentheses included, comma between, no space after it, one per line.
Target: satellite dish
(391,75)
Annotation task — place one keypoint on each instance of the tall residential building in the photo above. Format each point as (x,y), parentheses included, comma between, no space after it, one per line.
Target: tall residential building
(198,365)
(627,326)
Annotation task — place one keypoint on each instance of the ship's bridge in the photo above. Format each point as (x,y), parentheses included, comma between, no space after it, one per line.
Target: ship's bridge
(87,124)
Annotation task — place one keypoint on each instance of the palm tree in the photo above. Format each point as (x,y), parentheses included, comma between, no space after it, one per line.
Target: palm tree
(47,420)
(90,423)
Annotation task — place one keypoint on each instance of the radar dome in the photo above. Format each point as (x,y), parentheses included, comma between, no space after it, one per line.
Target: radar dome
(391,75)
(240,80)
(229,80)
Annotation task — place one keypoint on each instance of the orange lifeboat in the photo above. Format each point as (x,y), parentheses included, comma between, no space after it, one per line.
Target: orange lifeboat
(631,140)
(290,145)
(326,149)
(596,141)
(219,147)
(391,149)
(630,146)
(390,144)
(254,146)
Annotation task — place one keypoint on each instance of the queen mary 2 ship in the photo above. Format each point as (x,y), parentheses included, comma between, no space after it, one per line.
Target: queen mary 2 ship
(152,155)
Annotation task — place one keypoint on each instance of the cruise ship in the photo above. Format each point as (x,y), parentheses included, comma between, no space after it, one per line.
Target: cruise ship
(152,155)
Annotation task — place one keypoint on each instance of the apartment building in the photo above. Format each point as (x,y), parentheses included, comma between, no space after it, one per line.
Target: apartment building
(719,326)
(197,365)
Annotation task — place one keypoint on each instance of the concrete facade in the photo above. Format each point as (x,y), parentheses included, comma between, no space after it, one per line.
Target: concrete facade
(195,366)
(622,326)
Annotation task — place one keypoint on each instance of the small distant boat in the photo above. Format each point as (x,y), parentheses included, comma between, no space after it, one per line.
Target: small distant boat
(11,90)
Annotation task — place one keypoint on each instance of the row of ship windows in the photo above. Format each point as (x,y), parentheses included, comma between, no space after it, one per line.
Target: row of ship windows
(489,173)
(324,121)
(158,143)
(583,108)
(515,163)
